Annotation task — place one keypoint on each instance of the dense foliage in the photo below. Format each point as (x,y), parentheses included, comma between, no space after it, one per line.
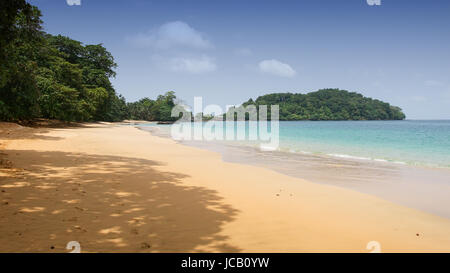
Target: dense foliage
(328,104)
(147,109)
(20,33)
(56,77)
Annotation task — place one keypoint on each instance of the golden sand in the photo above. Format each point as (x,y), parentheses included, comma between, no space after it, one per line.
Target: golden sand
(116,188)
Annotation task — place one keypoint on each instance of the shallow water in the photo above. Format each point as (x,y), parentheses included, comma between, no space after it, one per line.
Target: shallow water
(422,182)
(411,142)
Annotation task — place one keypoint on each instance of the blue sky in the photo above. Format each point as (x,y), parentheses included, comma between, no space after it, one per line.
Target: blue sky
(228,51)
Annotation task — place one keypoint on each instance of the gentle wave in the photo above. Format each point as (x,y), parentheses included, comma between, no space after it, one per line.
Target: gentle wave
(366,158)
(416,143)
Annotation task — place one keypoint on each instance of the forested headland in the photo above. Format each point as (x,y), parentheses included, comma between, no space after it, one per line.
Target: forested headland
(327,104)
(56,77)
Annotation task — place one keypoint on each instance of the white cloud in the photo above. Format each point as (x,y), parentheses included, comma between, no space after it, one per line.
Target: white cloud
(73,2)
(172,35)
(200,65)
(276,67)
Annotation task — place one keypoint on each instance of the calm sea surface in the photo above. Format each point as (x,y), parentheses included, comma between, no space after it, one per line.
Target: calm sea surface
(404,142)
(410,142)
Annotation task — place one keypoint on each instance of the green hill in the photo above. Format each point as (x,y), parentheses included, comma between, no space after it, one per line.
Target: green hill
(329,104)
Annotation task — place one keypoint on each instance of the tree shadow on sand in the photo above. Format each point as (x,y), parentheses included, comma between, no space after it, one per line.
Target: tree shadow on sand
(37,129)
(15,131)
(108,204)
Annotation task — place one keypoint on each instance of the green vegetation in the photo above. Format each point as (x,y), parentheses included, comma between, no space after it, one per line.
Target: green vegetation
(328,104)
(147,109)
(55,77)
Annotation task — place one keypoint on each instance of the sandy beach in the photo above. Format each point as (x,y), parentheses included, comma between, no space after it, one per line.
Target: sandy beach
(116,188)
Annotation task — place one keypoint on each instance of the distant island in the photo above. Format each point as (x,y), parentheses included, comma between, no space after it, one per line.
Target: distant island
(328,104)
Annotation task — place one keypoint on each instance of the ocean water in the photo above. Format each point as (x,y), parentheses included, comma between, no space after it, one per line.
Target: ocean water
(411,142)
(407,162)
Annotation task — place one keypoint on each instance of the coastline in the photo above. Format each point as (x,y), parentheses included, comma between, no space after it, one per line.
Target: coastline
(422,187)
(119,189)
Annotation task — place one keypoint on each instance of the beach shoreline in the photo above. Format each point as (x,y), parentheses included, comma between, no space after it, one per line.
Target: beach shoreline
(119,189)
(422,187)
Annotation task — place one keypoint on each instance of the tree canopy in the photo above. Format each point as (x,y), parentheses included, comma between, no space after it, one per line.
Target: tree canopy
(328,104)
(56,77)
(147,109)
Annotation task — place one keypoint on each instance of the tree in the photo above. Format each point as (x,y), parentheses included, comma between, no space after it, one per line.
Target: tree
(20,36)
(328,104)
(56,77)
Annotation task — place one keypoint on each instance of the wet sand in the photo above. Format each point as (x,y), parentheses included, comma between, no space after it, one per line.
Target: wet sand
(423,188)
(119,189)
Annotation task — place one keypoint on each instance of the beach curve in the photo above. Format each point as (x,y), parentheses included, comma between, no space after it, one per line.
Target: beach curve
(119,189)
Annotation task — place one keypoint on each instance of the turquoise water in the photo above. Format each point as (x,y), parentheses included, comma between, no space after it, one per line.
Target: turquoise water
(408,142)
(411,142)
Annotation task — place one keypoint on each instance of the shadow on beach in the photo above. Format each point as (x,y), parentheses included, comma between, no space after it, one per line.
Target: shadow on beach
(107,204)
(38,128)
